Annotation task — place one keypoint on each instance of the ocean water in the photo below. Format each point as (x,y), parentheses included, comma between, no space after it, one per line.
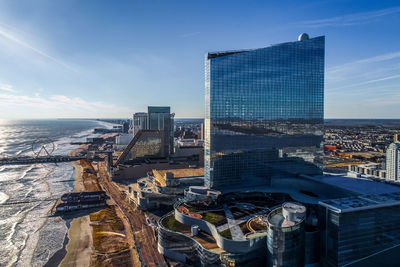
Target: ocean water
(28,237)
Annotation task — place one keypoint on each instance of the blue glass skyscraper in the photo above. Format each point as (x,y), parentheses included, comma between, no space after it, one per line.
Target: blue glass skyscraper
(264,113)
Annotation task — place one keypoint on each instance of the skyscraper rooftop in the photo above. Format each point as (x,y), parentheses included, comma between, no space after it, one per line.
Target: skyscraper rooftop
(362,202)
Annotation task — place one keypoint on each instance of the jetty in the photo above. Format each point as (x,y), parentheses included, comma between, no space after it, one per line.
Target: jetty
(32,160)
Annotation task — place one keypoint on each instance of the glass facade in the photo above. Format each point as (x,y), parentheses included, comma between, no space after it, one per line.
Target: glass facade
(349,237)
(264,113)
(286,245)
(160,118)
(139,122)
(147,144)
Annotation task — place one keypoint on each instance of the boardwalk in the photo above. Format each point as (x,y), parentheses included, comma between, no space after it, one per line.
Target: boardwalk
(144,238)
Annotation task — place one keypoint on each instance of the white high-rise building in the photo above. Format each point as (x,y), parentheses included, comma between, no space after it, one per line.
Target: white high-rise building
(393,161)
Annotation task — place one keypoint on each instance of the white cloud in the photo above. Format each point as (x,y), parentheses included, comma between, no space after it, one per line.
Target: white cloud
(350,19)
(7,34)
(7,88)
(356,63)
(364,74)
(59,105)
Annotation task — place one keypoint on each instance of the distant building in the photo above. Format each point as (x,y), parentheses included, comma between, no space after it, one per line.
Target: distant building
(370,169)
(125,127)
(146,144)
(139,122)
(190,142)
(393,160)
(153,136)
(264,112)
(160,118)
(122,140)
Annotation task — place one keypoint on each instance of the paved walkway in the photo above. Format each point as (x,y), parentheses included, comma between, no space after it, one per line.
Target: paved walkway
(241,220)
(236,232)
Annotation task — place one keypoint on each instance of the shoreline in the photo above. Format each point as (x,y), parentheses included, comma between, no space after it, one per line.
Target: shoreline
(77,246)
(59,255)
(78,242)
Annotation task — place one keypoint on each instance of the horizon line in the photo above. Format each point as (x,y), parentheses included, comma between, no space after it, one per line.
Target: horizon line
(197,118)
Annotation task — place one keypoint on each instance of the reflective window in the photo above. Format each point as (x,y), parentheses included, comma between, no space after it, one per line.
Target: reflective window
(264,113)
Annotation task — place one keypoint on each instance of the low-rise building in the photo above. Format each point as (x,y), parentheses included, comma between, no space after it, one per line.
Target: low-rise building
(372,169)
(174,181)
(162,187)
(349,222)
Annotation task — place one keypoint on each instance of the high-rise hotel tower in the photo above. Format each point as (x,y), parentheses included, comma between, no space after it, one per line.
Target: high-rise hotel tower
(393,160)
(264,113)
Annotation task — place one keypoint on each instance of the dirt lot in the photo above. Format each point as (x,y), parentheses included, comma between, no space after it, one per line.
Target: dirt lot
(143,235)
(111,247)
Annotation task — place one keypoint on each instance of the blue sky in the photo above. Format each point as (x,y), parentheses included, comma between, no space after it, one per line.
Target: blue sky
(98,58)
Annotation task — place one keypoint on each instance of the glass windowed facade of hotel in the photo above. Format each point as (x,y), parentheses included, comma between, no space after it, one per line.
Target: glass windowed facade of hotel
(360,230)
(160,118)
(264,113)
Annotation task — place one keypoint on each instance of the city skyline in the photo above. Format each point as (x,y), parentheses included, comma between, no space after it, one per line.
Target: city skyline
(84,60)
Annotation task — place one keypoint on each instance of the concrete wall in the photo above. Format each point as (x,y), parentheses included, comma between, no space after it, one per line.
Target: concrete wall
(171,254)
(183,248)
(228,245)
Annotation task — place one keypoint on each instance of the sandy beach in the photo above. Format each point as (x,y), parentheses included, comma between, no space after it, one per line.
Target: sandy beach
(96,238)
(79,247)
(80,243)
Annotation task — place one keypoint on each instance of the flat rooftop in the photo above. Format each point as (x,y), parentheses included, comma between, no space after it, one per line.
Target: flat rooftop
(313,189)
(362,202)
(359,185)
(159,175)
(179,173)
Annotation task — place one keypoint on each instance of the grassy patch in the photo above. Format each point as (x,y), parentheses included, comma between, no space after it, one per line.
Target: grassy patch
(214,218)
(107,232)
(191,209)
(226,233)
(107,216)
(172,224)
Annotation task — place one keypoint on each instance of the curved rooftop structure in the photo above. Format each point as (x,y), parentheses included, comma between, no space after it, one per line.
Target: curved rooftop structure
(303,37)
(288,215)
